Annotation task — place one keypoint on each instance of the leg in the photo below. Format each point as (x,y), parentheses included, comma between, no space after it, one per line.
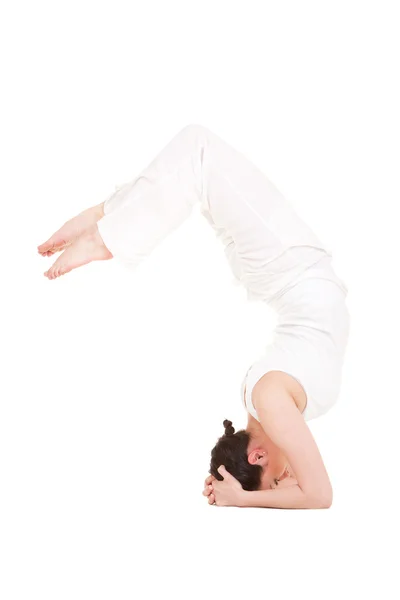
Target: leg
(253,220)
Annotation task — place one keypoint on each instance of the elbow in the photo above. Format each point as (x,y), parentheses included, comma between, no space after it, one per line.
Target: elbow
(321,499)
(322,502)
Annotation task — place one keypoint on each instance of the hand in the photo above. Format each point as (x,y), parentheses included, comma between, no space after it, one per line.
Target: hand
(287,482)
(228,492)
(208,491)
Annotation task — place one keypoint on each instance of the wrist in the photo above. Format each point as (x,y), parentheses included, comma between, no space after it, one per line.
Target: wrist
(244,498)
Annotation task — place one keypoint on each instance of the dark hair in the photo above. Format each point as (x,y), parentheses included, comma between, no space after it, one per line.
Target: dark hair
(231,451)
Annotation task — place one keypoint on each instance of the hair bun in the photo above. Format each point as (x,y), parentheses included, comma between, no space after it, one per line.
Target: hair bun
(229,430)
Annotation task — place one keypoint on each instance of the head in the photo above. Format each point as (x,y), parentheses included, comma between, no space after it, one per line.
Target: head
(249,455)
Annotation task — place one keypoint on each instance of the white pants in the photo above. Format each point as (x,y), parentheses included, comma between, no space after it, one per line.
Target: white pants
(270,250)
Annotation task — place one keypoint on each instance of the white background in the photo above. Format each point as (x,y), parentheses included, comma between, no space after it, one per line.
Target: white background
(115,385)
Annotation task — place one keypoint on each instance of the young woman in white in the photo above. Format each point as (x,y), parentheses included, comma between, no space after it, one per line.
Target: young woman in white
(275,461)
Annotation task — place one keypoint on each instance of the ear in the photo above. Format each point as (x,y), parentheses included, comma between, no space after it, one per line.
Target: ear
(258,456)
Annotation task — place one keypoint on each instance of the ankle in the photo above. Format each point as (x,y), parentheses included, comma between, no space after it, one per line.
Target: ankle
(94,238)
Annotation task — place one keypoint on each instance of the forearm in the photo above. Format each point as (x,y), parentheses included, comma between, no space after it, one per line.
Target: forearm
(285,497)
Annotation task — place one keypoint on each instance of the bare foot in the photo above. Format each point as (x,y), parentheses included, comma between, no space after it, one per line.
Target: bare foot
(71,230)
(86,248)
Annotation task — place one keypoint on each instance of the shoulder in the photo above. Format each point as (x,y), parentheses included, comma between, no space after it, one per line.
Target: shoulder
(277,383)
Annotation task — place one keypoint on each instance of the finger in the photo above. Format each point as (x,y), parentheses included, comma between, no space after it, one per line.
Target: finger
(209,479)
(222,471)
(207,490)
(211,499)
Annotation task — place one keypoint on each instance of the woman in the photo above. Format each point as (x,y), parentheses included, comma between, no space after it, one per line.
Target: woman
(275,462)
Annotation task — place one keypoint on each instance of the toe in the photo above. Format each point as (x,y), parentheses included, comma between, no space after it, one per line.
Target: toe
(43,248)
(51,272)
(57,248)
(51,246)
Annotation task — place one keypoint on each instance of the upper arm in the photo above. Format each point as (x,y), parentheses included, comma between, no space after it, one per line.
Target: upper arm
(285,426)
